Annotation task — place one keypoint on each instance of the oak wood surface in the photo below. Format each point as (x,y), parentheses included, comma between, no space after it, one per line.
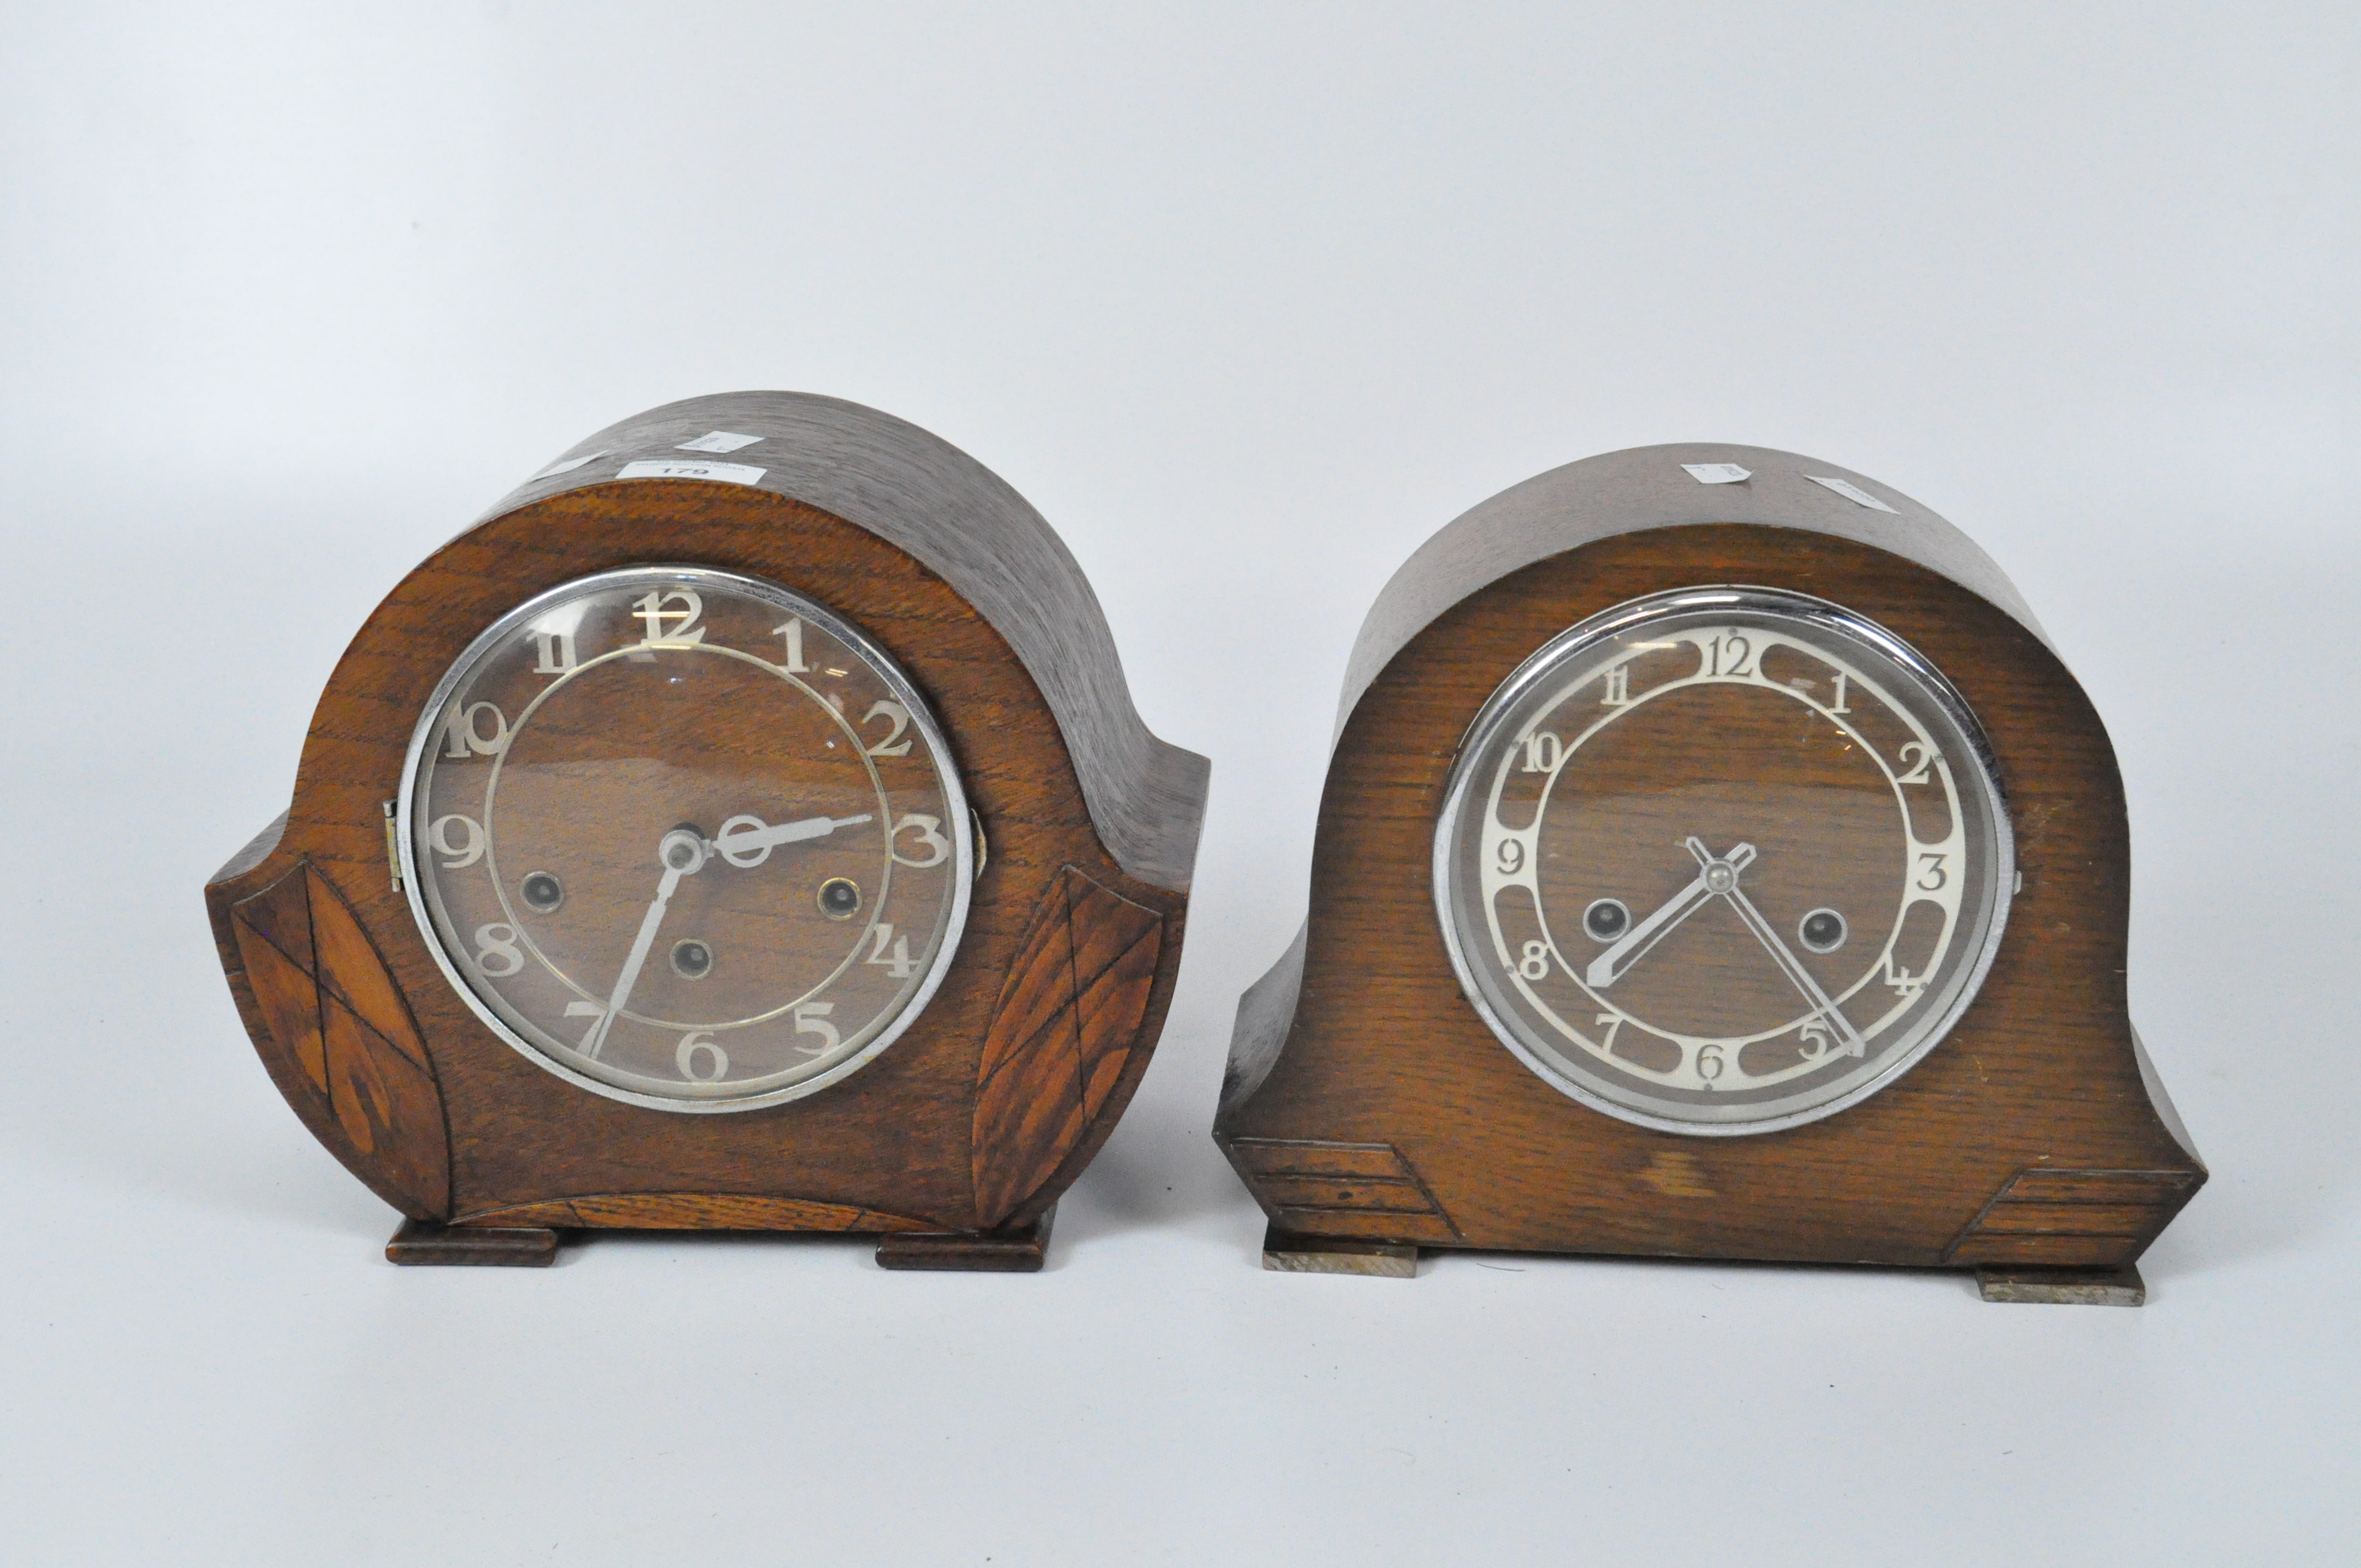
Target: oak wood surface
(899,1139)
(1361,1035)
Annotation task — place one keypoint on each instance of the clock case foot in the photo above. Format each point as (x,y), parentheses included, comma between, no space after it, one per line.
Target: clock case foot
(424,1243)
(1286,1252)
(1291,1251)
(2065,1287)
(1016,1249)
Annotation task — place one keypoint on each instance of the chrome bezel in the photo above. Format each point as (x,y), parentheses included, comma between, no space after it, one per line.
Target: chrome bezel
(958,817)
(1703,602)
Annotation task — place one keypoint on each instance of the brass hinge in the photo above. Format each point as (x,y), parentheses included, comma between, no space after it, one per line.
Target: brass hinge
(392,849)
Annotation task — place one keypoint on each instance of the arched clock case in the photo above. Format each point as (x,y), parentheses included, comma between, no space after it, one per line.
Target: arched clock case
(744,825)
(1716,861)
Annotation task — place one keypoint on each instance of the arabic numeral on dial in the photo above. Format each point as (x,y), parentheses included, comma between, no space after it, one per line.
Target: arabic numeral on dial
(1611,1022)
(1543,752)
(1512,856)
(459,856)
(811,1018)
(659,606)
(698,1047)
(930,837)
(894,713)
(1619,687)
(1533,961)
(1709,1064)
(1925,753)
(1813,1041)
(1838,705)
(1932,877)
(898,963)
(1727,655)
(556,653)
(464,733)
(497,957)
(591,1011)
(792,631)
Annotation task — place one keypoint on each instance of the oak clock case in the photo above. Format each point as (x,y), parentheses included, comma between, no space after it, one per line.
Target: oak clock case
(744,825)
(1716,861)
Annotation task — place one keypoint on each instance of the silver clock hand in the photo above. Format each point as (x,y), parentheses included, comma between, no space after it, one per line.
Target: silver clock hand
(1616,962)
(682,854)
(754,842)
(1800,977)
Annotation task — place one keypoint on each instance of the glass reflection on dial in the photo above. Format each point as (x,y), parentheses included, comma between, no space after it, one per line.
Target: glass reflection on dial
(687,839)
(1723,861)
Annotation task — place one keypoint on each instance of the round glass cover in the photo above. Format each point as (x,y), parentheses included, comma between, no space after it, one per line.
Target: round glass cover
(1723,861)
(686,839)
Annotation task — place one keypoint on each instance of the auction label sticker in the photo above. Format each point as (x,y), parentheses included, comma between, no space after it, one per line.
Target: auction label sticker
(728,473)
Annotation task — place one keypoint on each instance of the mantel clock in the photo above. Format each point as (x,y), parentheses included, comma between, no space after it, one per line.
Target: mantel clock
(1716,861)
(744,825)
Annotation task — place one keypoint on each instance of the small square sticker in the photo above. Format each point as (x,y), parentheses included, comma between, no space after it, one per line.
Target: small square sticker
(1717,473)
(717,441)
(1852,493)
(567,466)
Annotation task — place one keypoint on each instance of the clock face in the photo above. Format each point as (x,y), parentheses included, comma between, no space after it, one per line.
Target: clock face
(1723,861)
(686,839)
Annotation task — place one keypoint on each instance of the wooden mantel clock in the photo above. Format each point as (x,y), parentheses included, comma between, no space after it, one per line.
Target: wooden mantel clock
(1717,862)
(744,825)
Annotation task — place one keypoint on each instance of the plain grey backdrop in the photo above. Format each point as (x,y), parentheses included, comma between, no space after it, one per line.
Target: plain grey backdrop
(1249,299)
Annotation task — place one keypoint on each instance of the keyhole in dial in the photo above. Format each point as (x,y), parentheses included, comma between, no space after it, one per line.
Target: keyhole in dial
(1607,919)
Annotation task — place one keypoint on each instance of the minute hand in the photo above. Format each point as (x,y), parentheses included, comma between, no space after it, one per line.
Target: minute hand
(1611,965)
(1854,1045)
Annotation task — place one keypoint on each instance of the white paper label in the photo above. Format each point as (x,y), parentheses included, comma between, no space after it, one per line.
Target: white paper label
(728,473)
(717,441)
(1717,473)
(1854,494)
(567,466)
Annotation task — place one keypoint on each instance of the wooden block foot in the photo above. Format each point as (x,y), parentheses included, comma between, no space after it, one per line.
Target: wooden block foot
(499,1246)
(1290,1253)
(1020,1250)
(2065,1287)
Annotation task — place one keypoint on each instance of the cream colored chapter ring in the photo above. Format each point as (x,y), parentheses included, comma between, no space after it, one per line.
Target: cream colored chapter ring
(1553,999)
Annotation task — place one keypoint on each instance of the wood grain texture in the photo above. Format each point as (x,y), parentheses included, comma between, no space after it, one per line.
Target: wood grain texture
(895,1140)
(335,1030)
(1059,1036)
(1313,1188)
(1362,1034)
(2094,1218)
(692,1211)
(966,525)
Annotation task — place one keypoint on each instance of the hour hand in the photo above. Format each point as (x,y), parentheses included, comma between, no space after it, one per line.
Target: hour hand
(1611,965)
(745,841)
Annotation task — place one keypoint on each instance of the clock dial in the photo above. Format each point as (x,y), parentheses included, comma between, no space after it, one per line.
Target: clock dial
(1723,861)
(687,839)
